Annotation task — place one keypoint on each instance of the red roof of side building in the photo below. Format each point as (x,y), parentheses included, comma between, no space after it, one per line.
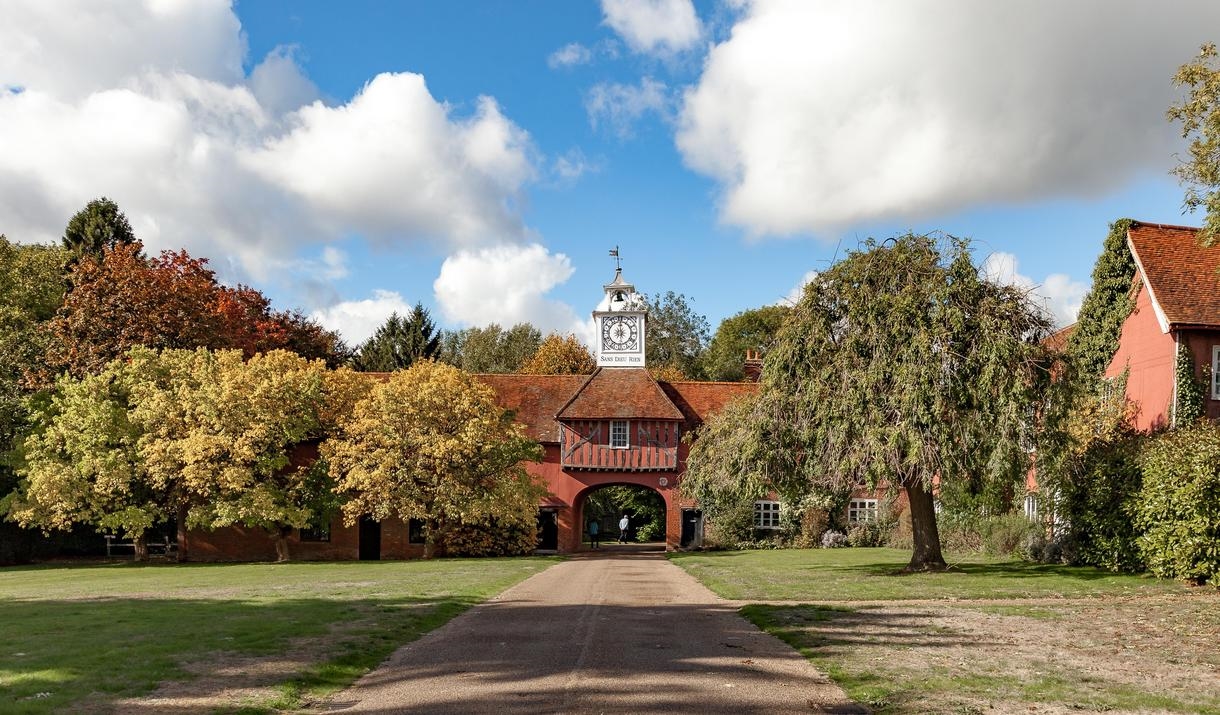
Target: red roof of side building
(1183,278)
(620,393)
(535,399)
(700,400)
(1058,340)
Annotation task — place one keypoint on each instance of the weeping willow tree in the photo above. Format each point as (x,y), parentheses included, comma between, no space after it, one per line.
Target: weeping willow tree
(901,364)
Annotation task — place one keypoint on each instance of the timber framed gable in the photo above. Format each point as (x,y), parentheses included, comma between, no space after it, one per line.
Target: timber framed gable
(585,444)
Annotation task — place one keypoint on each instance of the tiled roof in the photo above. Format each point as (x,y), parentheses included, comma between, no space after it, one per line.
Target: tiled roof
(700,400)
(536,399)
(1058,340)
(1180,274)
(620,393)
(626,393)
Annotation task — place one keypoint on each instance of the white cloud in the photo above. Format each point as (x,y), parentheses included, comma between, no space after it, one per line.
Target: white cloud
(1058,293)
(660,27)
(572,165)
(75,47)
(392,163)
(146,103)
(815,115)
(357,320)
(280,84)
(794,295)
(506,284)
(619,106)
(570,55)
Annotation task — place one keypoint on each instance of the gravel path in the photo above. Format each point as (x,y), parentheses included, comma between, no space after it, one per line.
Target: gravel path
(620,631)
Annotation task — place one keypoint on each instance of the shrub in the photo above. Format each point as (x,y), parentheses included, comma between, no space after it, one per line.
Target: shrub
(834,540)
(731,525)
(1178,505)
(1008,534)
(1097,499)
(494,538)
(867,533)
(649,531)
(813,523)
(960,531)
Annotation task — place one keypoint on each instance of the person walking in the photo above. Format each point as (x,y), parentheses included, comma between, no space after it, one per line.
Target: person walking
(594,529)
(622,529)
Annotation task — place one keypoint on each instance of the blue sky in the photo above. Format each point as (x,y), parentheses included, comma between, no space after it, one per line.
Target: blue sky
(350,159)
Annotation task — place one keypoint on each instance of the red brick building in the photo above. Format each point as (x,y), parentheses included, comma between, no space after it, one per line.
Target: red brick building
(618,426)
(1177,303)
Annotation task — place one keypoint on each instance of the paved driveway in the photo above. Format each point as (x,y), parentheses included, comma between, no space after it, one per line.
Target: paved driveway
(616,631)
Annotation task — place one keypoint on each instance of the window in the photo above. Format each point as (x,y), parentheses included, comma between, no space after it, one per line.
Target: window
(766,514)
(1216,372)
(618,434)
(415,531)
(315,533)
(1031,507)
(862,510)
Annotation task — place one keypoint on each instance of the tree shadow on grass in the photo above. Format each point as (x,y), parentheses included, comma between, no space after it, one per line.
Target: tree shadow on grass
(90,655)
(59,655)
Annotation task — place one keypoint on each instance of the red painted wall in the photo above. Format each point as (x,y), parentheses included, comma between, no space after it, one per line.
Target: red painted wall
(239,543)
(569,488)
(1148,354)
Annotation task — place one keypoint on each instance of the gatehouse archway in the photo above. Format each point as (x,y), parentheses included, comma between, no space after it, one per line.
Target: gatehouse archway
(641,509)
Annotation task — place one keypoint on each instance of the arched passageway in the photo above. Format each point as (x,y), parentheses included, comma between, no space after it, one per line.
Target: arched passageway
(607,506)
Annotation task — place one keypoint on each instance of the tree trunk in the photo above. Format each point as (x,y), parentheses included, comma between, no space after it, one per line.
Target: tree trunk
(182,552)
(140,544)
(926,554)
(430,534)
(281,543)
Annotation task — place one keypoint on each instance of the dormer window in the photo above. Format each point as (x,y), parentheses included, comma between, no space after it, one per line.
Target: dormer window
(618,434)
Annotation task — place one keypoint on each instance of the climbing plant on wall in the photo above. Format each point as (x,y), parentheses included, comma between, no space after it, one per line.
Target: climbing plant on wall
(1190,392)
(1107,305)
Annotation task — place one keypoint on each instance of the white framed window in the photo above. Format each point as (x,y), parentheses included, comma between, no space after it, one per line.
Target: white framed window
(1216,372)
(766,514)
(618,434)
(862,510)
(1031,507)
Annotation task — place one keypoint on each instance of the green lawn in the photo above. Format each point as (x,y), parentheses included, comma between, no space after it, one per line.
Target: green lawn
(875,575)
(1079,639)
(71,635)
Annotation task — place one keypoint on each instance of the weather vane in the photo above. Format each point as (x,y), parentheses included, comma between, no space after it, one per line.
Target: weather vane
(618,262)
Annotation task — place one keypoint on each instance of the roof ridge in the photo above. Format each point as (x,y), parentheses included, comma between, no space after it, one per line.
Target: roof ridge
(1150,224)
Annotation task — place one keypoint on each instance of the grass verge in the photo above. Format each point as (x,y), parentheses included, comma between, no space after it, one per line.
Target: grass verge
(876,575)
(87,635)
(988,636)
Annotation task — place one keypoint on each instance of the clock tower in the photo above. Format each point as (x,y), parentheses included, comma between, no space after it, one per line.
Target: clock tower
(620,319)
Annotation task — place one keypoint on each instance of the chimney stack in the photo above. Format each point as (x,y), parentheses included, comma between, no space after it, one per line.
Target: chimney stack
(752,367)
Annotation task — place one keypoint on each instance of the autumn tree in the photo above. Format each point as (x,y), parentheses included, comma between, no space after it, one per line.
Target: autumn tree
(490,349)
(431,443)
(1199,115)
(560,355)
(225,430)
(98,227)
(123,299)
(82,463)
(32,286)
(399,342)
(902,364)
(677,335)
(750,330)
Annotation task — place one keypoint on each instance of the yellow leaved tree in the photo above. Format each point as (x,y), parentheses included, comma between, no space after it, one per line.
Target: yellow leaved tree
(430,443)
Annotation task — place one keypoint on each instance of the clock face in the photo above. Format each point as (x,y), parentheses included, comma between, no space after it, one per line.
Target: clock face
(620,332)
